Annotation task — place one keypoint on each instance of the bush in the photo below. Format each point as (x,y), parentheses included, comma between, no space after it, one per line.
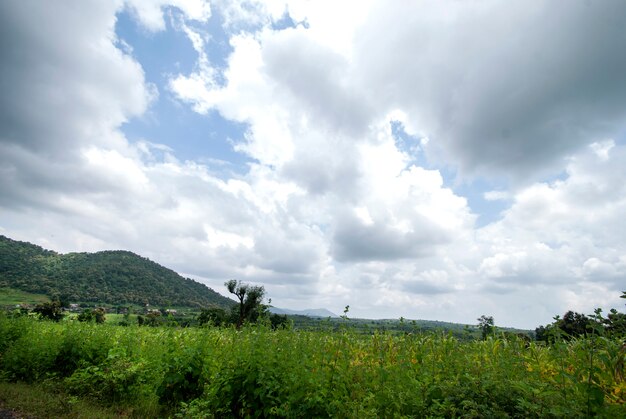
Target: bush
(50,311)
(117,379)
(91,315)
(204,372)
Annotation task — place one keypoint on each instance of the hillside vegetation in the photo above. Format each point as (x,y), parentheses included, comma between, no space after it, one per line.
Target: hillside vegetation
(112,277)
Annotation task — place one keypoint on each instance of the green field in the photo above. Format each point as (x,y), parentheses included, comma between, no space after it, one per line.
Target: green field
(10,297)
(257,372)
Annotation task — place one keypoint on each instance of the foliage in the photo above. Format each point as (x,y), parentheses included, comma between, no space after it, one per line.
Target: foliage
(279,321)
(89,315)
(50,310)
(486,326)
(182,380)
(153,318)
(250,298)
(575,325)
(257,371)
(214,316)
(615,323)
(117,379)
(114,277)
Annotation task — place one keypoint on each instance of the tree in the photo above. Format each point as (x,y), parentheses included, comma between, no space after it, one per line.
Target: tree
(485,324)
(153,318)
(89,315)
(250,298)
(615,323)
(215,316)
(51,311)
(278,321)
(544,333)
(575,324)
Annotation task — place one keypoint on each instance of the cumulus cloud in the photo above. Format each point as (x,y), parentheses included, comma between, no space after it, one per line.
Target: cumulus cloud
(106,87)
(335,208)
(564,234)
(150,12)
(505,88)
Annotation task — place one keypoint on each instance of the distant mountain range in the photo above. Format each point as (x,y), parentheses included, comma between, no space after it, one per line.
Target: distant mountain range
(309,312)
(113,277)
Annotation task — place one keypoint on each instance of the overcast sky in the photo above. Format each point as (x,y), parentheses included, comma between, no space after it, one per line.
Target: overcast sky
(430,159)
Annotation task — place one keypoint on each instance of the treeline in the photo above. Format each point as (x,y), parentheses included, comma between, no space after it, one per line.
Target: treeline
(113,277)
(575,325)
(249,310)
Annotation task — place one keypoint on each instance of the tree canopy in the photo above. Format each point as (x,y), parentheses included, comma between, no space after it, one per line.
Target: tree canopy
(113,277)
(486,325)
(250,300)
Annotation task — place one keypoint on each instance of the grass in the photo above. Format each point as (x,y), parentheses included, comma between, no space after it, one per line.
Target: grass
(36,400)
(12,297)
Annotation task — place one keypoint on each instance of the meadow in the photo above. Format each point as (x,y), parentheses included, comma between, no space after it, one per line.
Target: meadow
(258,372)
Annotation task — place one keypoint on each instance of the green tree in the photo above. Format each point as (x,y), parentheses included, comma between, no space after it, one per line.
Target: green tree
(575,324)
(89,315)
(51,311)
(485,324)
(250,300)
(86,316)
(213,315)
(279,321)
(153,318)
(615,323)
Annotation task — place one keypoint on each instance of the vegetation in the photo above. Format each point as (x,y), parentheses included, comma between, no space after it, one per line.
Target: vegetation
(575,325)
(486,326)
(250,299)
(45,401)
(246,362)
(254,371)
(51,310)
(11,297)
(113,277)
(97,315)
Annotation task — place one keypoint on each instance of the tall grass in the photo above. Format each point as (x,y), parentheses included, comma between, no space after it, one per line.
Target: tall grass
(256,372)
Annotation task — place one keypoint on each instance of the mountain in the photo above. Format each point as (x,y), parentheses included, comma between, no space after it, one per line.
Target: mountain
(309,312)
(112,277)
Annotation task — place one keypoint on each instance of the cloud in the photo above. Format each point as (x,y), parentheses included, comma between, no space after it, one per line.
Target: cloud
(150,12)
(552,83)
(505,89)
(335,207)
(319,111)
(106,87)
(565,232)
(318,79)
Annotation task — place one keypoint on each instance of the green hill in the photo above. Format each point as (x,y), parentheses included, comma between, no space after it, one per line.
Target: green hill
(112,277)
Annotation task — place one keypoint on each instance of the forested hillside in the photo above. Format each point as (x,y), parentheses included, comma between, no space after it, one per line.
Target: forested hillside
(113,277)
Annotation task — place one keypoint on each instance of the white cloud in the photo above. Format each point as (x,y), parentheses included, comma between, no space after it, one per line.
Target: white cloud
(505,107)
(602,148)
(150,12)
(496,195)
(565,233)
(334,210)
(510,106)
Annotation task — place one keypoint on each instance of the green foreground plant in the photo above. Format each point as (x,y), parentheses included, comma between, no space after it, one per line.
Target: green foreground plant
(260,372)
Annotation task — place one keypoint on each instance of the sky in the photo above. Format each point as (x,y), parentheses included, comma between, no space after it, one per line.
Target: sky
(432,160)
